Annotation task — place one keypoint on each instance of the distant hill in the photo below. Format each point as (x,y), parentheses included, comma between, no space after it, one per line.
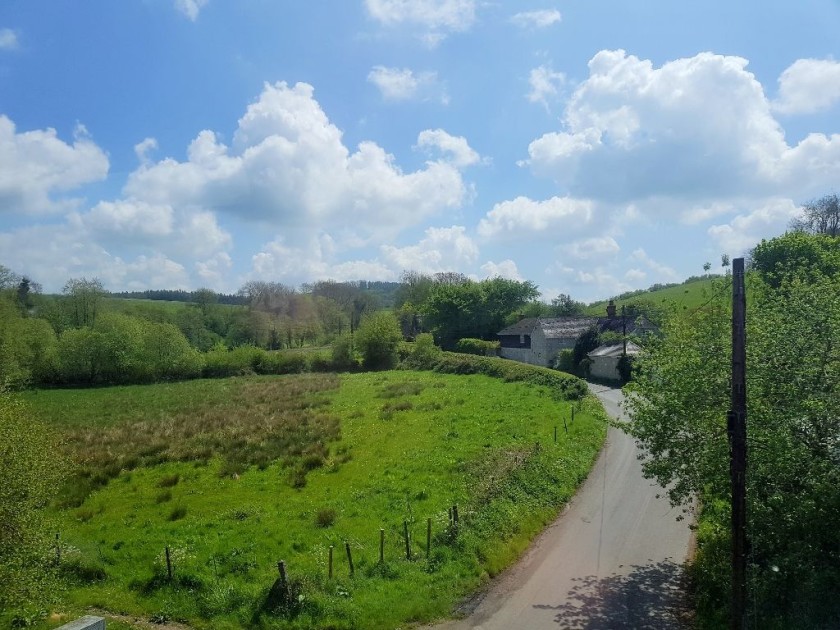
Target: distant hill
(690,294)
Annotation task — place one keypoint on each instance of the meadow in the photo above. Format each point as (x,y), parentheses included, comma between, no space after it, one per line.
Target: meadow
(234,475)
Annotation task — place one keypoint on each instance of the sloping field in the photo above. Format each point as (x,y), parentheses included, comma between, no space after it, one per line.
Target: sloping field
(235,475)
(688,295)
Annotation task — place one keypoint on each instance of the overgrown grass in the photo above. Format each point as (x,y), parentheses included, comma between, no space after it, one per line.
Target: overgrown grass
(471,441)
(257,422)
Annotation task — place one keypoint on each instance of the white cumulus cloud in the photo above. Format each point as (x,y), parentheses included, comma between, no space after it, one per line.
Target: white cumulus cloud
(698,128)
(403,84)
(545,84)
(456,147)
(808,86)
(441,249)
(505,269)
(536,19)
(36,166)
(523,218)
(289,166)
(190,8)
(746,230)
(450,15)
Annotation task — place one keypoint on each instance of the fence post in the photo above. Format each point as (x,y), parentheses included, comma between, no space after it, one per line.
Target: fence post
(331,562)
(349,557)
(407,542)
(381,545)
(168,564)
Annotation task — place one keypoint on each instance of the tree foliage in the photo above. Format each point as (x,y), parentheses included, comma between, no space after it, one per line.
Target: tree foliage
(820,216)
(455,310)
(30,474)
(377,339)
(678,403)
(564,306)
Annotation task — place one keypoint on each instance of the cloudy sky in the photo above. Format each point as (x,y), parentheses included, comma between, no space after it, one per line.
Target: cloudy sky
(591,147)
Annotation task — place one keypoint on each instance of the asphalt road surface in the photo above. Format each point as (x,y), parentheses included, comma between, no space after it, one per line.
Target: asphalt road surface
(613,559)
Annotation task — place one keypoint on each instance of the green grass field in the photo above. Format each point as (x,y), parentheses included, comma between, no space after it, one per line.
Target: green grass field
(689,295)
(235,475)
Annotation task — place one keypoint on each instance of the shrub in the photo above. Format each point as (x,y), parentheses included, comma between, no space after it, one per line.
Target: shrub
(343,354)
(377,338)
(565,385)
(325,517)
(281,363)
(169,481)
(477,346)
(565,361)
(178,513)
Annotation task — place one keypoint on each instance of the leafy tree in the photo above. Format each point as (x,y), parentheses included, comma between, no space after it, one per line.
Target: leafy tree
(83,300)
(377,339)
(27,348)
(474,309)
(796,254)
(678,402)
(8,278)
(820,216)
(585,344)
(30,474)
(563,305)
(454,311)
(415,288)
(205,298)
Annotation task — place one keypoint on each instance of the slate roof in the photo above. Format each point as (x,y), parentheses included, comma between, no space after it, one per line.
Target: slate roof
(565,327)
(522,327)
(553,327)
(614,350)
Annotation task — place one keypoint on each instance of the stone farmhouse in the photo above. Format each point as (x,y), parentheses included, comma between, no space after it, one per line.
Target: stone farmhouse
(537,340)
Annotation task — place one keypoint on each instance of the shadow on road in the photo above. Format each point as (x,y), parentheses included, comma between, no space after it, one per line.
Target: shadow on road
(650,597)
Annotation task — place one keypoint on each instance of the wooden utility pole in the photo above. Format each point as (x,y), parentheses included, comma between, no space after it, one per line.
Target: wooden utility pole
(737,430)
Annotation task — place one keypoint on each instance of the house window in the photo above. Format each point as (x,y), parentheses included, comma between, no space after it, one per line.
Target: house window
(521,340)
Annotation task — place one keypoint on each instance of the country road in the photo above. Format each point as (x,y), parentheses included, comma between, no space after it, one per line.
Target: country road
(611,560)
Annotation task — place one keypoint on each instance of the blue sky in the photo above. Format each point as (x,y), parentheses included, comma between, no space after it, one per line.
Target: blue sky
(591,147)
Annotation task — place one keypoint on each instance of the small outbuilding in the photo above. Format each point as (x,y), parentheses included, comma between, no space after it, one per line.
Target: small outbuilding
(605,360)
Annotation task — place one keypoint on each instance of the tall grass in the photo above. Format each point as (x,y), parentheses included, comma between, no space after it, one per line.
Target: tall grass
(469,441)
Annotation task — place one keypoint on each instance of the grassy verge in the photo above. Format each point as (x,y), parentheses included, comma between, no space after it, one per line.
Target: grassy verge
(377,451)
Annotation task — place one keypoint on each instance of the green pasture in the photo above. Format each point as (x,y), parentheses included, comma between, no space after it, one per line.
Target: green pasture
(689,295)
(235,475)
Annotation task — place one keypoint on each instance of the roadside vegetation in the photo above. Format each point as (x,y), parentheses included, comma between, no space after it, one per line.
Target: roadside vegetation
(678,400)
(237,474)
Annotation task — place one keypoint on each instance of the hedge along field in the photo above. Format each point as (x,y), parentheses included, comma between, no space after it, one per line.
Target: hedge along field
(377,450)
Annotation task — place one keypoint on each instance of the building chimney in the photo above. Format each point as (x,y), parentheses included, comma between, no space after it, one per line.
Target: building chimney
(611,309)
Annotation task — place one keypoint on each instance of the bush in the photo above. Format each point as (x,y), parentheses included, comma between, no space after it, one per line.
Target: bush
(477,346)
(281,363)
(325,517)
(343,354)
(565,361)
(377,338)
(566,386)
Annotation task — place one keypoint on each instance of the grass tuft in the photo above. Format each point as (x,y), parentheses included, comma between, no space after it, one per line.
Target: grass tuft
(325,517)
(178,513)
